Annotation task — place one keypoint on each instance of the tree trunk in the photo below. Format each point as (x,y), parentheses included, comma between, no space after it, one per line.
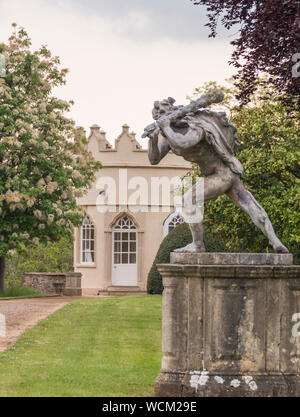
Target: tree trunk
(2,273)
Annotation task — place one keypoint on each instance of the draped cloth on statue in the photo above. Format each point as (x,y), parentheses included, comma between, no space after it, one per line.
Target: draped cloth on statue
(220,134)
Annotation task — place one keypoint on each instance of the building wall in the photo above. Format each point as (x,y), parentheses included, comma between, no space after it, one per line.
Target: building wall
(126,159)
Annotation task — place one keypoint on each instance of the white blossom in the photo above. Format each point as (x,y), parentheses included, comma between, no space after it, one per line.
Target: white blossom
(38,214)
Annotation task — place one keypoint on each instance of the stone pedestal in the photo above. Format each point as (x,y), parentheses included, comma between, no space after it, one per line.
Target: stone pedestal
(73,284)
(231,326)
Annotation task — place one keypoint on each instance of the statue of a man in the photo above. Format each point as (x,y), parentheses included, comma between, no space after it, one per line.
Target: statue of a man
(207,138)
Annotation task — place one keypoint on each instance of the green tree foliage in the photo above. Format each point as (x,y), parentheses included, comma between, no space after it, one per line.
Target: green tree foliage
(270,152)
(266,38)
(177,238)
(44,163)
(50,257)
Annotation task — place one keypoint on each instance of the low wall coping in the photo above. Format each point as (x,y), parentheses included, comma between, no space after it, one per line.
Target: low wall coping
(45,273)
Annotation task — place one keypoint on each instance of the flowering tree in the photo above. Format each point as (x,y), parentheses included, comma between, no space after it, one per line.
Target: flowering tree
(44,164)
(268,41)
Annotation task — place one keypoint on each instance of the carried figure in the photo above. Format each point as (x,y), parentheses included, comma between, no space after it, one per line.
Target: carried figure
(205,137)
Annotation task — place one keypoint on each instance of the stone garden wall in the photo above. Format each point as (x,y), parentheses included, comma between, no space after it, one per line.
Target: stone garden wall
(44,282)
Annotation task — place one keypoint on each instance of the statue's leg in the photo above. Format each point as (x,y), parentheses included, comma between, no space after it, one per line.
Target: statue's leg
(245,200)
(207,188)
(193,215)
(197,245)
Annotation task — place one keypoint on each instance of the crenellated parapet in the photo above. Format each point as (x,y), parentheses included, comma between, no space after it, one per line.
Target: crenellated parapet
(135,146)
(98,135)
(126,151)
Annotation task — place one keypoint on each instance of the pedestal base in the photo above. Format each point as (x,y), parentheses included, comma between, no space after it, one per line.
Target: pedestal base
(230,329)
(205,384)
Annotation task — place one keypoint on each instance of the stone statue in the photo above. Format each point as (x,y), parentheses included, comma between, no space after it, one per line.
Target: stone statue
(207,138)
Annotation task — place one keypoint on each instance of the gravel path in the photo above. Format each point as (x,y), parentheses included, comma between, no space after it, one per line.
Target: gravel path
(22,314)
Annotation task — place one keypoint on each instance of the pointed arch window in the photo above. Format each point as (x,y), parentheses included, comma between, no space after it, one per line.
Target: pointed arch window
(87,241)
(172,221)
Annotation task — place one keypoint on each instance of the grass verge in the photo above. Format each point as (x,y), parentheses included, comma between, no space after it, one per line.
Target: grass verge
(91,347)
(18,291)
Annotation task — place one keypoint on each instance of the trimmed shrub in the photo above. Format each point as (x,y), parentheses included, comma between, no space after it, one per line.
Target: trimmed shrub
(177,238)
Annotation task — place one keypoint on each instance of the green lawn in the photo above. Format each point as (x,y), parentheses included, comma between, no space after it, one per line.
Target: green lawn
(91,347)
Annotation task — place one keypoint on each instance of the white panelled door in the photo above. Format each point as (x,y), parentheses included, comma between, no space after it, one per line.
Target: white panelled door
(124,250)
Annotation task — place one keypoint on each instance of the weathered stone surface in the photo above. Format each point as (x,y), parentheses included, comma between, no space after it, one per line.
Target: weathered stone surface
(230,330)
(73,284)
(212,258)
(43,282)
(206,384)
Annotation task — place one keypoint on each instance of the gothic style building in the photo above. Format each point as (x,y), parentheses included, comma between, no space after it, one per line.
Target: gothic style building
(128,211)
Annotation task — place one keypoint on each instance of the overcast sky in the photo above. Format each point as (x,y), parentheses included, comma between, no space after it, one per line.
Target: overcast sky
(123,54)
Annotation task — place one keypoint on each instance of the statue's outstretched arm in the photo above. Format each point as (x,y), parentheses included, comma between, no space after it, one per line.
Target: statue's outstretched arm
(213,96)
(157,149)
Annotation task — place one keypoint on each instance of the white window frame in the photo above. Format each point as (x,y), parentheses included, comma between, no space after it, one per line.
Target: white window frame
(169,219)
(89,225)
